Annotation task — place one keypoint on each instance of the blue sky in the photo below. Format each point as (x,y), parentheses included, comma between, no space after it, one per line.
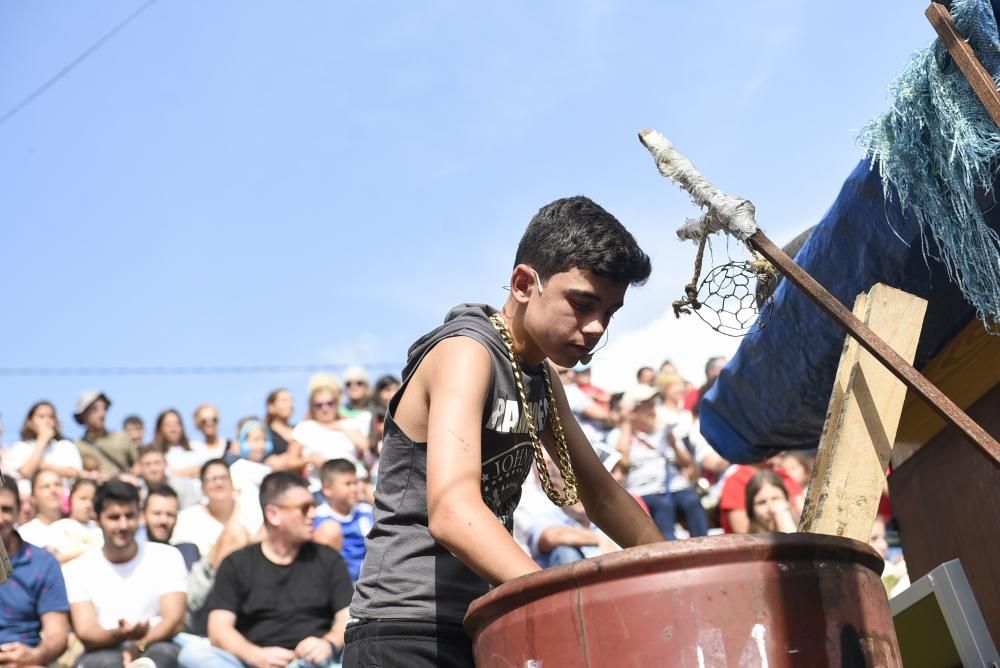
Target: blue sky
(249,182)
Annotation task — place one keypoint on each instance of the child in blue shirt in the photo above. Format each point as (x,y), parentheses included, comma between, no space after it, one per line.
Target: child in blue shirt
(342,493)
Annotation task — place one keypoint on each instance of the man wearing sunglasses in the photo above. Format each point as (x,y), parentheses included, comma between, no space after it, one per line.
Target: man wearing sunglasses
(283,600)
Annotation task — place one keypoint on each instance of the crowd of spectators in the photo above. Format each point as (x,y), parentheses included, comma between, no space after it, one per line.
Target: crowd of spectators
(214,551)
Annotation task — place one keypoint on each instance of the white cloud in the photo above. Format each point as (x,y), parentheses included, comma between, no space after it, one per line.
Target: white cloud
(686,341)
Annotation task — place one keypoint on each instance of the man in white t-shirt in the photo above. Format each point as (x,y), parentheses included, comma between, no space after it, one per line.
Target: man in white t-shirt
(126,600)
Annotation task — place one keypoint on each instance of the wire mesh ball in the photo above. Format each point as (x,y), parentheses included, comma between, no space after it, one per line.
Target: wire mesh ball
(728,300)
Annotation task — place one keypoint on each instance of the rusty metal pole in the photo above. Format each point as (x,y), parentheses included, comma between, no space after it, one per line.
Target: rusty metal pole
(870,341)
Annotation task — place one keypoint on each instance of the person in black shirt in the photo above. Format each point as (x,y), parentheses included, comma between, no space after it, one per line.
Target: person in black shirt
(282,600)
(478,405)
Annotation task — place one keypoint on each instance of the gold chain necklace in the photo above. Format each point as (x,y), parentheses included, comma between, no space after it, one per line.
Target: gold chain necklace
(562,451)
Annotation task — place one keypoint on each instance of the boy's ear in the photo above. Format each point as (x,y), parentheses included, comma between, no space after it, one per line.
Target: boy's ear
(523,282)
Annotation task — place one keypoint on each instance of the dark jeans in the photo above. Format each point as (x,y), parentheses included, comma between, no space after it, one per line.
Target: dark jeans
(663,508)
(406,643)
(163,654)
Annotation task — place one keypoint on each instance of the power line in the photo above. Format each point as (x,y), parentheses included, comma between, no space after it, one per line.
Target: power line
(73,63)
(200,370)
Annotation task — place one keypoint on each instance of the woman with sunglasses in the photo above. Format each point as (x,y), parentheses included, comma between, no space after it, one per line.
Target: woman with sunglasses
(206,420)
(326,435)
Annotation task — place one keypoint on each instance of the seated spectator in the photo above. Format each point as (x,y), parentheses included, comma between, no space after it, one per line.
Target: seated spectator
(184,461)
(250,469)
(359,396)
(152,466)
(287,452)
(78,533)
(593,414)
(212,446)
(732,504)
(135,429)
(42,446)
(562,536)
(654,463)
(126,599)
(768,506)
(343,508)
(46,494)
(283,601)
(34,623)
(202,524)
(159,517)
(799,466)
(110,454)
(326,436)
(385,387)
(894,576)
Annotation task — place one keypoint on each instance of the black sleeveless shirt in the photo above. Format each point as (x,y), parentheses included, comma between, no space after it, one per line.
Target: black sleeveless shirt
(406,573)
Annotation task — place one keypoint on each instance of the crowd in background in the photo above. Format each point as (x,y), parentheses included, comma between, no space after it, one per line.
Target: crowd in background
(151,547)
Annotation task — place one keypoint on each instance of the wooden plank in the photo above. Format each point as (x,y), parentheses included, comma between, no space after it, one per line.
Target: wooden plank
(862,419)
(946,502)
(965,369)
(982,83)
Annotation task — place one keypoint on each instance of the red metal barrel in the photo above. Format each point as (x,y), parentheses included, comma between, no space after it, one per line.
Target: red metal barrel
(769,600)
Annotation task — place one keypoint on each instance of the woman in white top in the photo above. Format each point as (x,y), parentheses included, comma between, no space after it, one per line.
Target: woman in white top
(42,446)
(326,436)
(46,497)
(206,420)
(184,458)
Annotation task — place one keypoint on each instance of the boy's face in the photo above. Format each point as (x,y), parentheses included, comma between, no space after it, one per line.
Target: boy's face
(342,489)
(567,319)
(135,432)
(153,467)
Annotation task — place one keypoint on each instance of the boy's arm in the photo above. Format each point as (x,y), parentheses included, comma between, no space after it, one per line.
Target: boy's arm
(607,503)
(457,374)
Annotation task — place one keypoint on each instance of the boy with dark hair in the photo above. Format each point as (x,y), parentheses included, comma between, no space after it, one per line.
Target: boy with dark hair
(342,493)
(135,428)
(477,403)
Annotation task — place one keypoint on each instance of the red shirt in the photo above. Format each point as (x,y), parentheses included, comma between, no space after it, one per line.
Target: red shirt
(734,491)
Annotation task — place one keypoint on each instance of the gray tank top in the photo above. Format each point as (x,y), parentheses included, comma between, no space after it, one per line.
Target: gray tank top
(406,573)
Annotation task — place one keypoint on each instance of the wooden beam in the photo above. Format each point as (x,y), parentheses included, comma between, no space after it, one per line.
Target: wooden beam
(861,422)
(965,369)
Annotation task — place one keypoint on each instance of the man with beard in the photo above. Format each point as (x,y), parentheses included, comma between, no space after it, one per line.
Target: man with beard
(127,599)
(159,515)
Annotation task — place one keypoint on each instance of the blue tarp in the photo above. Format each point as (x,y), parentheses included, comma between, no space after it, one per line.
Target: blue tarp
(773,394)
(938,145)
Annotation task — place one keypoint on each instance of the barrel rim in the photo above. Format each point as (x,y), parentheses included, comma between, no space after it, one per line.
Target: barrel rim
(694,552)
